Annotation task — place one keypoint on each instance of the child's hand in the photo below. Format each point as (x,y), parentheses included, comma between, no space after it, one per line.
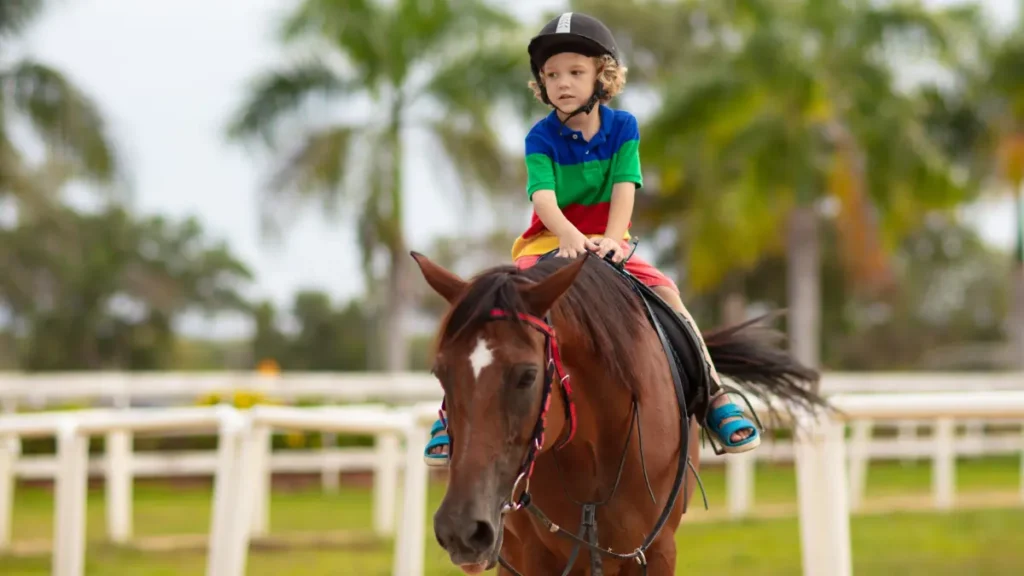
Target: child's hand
(616,248)
(572,245)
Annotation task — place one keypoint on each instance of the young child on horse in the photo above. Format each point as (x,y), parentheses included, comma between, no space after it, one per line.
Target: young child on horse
(583,169)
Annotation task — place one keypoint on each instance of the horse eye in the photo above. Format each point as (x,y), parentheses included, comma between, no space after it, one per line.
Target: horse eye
(527,378)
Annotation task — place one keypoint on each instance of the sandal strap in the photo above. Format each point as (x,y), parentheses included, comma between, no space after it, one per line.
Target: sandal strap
(436,441)
(730,410)
(726,432)
(437,427)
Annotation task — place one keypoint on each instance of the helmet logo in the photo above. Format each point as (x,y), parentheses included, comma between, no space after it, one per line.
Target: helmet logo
(564,23)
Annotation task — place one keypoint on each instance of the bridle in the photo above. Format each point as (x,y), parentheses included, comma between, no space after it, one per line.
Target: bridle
(553,369)
(588,525)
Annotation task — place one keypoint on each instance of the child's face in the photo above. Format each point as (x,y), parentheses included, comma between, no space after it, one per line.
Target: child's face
(569,79)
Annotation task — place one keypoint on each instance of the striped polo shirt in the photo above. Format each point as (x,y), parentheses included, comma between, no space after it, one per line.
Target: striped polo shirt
(581,173)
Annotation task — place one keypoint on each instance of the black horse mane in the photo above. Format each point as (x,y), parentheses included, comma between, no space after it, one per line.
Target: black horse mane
(599,301)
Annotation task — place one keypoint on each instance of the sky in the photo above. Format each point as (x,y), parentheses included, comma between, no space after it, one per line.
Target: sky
(167,75)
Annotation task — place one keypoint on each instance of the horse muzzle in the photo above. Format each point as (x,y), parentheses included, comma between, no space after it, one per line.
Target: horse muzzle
(472,540)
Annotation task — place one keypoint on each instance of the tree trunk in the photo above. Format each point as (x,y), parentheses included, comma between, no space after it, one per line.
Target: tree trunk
(803,284)
(396,348)
(1017,289)
(734,303)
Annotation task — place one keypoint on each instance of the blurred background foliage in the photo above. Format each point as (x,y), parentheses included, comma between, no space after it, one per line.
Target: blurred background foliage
(790,160)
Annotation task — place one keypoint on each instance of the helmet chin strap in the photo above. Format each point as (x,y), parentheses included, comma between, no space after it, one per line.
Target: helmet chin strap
(589,106)
(584,109)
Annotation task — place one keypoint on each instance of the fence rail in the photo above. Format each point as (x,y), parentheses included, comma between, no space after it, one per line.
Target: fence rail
(115,389)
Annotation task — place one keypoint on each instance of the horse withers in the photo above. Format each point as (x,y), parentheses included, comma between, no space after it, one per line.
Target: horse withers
(572,425)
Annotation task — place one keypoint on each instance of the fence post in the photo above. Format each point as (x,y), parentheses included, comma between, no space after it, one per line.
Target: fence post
(1022,464)
(10,448)
(739,483)
(409,546)
(225,487)
(251,441)
(820,454)
(944,464)
(69,506)
(385,483)
(118,482)
(858,471)
(262,475)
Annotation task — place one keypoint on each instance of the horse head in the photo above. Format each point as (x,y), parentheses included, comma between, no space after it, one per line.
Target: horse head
(497,361)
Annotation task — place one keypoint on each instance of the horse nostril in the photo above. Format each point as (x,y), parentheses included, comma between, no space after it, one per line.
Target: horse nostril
(483,536)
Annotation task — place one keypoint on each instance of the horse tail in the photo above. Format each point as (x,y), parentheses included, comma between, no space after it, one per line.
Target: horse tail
(751,358)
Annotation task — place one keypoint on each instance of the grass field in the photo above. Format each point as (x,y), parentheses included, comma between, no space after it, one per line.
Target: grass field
(975,542)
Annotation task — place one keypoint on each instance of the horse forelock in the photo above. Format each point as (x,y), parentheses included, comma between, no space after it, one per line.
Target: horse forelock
(598,313)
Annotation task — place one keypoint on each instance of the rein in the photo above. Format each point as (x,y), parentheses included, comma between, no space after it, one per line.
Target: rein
(588,524)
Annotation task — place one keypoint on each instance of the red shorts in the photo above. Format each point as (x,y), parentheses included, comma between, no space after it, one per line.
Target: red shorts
(636,266)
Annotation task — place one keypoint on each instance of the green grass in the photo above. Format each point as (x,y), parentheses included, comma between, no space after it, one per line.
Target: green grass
(980,542)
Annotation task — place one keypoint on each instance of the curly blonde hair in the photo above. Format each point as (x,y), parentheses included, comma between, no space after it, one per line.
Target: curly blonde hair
(610,74)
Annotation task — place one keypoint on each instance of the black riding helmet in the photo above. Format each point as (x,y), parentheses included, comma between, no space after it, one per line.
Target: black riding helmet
(572,32)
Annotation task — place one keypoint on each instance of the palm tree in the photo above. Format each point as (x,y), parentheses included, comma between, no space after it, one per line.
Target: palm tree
(439,67)
(980,120)
(64,120)
(801,113)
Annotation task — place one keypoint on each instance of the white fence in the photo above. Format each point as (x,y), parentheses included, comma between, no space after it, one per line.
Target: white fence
(175,388)
(240,480)
(827,490)
(121,390)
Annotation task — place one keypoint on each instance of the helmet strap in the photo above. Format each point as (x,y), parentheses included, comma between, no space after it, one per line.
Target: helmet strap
(589,106)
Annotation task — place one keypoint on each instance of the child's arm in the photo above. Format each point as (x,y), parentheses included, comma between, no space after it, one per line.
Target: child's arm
(546,207)
(626,179)
(621,210)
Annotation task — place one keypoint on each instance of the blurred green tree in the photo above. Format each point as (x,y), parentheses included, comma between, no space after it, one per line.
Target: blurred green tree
(386,67)
(798,116)
(105,293)
(64,120)
(979,118)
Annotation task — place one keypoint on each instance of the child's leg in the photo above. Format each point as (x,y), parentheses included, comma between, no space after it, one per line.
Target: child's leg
(724,416)
(719,399)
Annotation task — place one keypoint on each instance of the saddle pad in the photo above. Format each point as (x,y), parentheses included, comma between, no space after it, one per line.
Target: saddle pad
(685,351)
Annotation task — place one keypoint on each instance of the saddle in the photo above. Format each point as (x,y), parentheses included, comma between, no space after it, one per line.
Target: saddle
(679,338)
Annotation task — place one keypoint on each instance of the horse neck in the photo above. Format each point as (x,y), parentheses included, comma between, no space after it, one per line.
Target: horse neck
(603,407)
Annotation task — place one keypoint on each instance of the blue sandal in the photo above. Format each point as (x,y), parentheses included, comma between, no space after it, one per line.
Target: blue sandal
(724,432)
(436,459)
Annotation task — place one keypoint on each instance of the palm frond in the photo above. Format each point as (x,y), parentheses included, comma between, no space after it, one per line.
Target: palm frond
(67,121)
(439,27)
(16,14)
(353,27)
(480,163)
(278,94)
(315,170)
(480,78)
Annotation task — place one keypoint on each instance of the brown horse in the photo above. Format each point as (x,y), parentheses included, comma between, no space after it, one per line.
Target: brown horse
(561,402)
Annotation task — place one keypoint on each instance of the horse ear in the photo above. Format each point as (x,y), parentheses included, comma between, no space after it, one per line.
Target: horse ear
(448,285)
(542,295)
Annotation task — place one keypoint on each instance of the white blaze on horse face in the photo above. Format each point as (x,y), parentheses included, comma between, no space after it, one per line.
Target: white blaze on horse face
(481,357)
